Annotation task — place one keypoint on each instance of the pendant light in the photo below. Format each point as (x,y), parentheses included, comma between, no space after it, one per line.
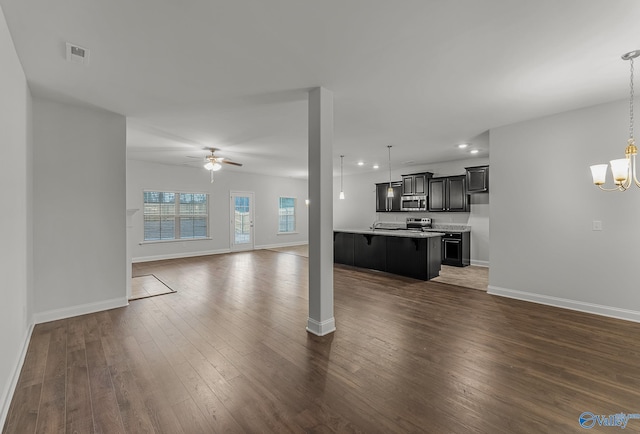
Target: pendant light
(623,169)
(341,178)
(390,189)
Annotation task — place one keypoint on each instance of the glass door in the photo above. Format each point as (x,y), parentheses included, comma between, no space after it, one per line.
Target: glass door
(241,221)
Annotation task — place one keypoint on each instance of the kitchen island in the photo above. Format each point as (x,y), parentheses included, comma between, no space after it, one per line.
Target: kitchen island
(407,253)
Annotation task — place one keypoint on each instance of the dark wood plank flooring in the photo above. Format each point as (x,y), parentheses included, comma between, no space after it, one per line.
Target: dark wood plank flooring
(229,353)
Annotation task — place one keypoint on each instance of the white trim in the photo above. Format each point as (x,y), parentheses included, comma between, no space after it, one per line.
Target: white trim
(232,210)
(480,263)
(173,240)
(581,306)
(154,190)
(275,246)
(295,215)
(7,394)
(178,255)
(177,215)
(321,328)
(82,309)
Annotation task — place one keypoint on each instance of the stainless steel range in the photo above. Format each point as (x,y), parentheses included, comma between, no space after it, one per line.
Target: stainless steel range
(418,223)
(455,242)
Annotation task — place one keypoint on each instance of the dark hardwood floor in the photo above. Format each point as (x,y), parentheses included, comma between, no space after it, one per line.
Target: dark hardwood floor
(229,353)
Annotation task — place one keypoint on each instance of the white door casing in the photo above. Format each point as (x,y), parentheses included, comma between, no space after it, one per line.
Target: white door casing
(242,234)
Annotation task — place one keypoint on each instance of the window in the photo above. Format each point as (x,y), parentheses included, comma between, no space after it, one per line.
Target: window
(286,214)
(175,216)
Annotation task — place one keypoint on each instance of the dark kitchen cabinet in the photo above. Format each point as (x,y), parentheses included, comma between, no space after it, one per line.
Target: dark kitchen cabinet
(434,256)
(382,204)
(399,262)
(448,194)
(419,258)
(436,194)
(370,251)
(385,204)
(456,195)
(415,184)
(456,249)
(477,179)
(343,248)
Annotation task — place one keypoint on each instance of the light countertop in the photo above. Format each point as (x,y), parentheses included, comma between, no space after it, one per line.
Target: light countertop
(392,233)
(455,231)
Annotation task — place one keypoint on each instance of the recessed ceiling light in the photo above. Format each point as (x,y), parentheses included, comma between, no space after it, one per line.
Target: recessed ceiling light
(375,166)
(360,163)
(463,145)
(474,151)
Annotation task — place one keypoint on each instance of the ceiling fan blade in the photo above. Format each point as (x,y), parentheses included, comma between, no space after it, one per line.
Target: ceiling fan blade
(231,162)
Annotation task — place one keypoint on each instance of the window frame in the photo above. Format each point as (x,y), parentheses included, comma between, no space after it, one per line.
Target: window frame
(176,216)
(294,215)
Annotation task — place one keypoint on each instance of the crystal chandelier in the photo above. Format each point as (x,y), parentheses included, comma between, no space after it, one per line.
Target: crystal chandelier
(623,169)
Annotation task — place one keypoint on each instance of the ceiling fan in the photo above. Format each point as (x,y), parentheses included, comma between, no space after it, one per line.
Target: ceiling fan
(213,163)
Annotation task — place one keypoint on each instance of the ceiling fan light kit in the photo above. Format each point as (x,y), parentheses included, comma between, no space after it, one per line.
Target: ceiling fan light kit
(212,166)
(623,169)
(213,162)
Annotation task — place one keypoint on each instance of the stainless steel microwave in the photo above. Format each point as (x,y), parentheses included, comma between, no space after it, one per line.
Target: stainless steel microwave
(413,203)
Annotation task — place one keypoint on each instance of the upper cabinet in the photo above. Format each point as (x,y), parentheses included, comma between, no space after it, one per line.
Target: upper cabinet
(416,184)
(477,179)
(383,203)
(448,194)
(443,194)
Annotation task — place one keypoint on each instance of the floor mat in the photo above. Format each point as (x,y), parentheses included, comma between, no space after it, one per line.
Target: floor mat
(148,286)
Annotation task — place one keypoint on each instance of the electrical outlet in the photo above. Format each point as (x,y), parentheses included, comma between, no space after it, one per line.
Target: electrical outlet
(597,225)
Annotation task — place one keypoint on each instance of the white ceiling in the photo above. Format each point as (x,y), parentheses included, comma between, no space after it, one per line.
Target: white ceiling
(422,75)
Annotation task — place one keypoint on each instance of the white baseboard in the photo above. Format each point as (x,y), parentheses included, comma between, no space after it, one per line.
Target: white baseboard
(7,394)
(210,252)
(83,309)
(480,263)
(581,306)
(321,328)
(178,255)
(275,246)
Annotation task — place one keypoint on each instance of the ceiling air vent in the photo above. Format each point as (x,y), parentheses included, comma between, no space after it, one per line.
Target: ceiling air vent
(77,54)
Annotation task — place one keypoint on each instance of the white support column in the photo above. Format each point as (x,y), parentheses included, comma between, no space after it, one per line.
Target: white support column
(321,320)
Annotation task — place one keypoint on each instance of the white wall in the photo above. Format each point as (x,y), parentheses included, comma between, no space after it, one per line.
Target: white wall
(358,210)
(543,204)
(267,189)
(79,210)
(16,291)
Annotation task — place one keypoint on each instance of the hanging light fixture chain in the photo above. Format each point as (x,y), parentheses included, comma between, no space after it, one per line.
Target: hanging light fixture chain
(341,163)
(389,147)
(631,102)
